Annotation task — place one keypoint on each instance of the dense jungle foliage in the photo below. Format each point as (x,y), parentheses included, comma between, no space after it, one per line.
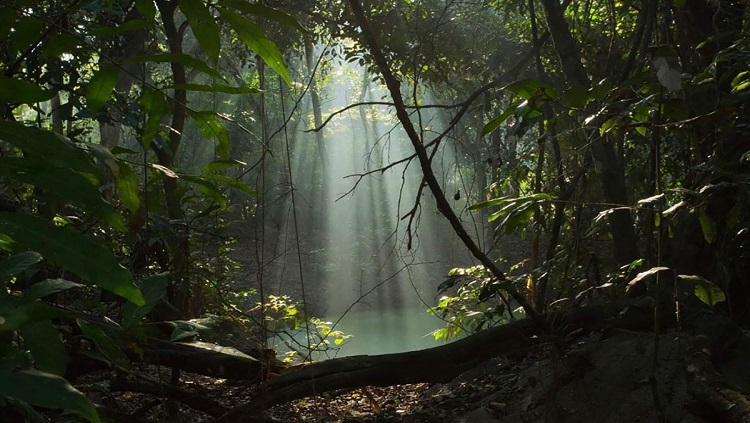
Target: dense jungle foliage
(138,138)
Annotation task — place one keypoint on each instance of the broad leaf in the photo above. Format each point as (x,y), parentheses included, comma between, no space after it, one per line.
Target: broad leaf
(496,122)
(180,58)
(46,390)
(26,31)
(104,343)
(231,183)
(49,287)
(127,186)
(155,105)
(62,183)
(153,289)
(48,146)
(203,25)
(43,340)
(256,41)
(72,251)
(101,86)
(208,189)
(708,225)
(209,123)
(14,90)
(147,8)
(532,89)
(266,12)
(219,165)
(16,313)
(704,290)
(18,263)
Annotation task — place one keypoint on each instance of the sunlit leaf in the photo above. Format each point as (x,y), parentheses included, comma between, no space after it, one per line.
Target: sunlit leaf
(154,103)
(14,90)
(210,125)
(704,290)
(256,41)
(208,189)
(532,89)
(708,226)
(650,201)
(101,86)
(46,390)
(204,26)
(127,186)
(496,122)
(72,251)
(43,341)
(169,173)
(263,11)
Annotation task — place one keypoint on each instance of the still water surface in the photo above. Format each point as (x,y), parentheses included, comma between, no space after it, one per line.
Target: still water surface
(381,332)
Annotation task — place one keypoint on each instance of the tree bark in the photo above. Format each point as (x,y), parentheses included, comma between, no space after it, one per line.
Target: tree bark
(607,164)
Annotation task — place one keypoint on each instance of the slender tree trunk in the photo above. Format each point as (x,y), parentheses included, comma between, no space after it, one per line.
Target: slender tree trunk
(607,164)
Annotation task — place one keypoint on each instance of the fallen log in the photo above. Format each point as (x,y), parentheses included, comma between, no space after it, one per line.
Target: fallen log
(439,364)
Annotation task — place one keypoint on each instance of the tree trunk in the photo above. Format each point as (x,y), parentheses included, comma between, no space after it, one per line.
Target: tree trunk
(607,164)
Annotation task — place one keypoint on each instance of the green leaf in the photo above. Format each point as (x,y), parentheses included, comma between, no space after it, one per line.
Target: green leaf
(18,91)
(220,165)
(266,12)
(496,122)
(146,8)
(48,287)
(127,186)
(208,189)
(153,289)
(708,225)
(609,125)
(180,58)
(62,183)
(18,263)
(16,313)
(27,31)
(43,340)
(46,390)
(210,126)
(704,289)
(59,44)
(155,105)
(256,41)
(72,251)
(532,89)
(101,86)
(218,88)
(203,25)
(104,343)
(576,97)
(231,183)
(48,146)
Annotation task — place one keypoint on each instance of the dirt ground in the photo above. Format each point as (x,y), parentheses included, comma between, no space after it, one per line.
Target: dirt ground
(613,377)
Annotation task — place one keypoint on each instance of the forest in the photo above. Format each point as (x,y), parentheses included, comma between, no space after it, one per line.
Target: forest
(374,211)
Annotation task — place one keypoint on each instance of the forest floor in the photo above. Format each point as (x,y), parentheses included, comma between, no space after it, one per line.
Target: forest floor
(617,376)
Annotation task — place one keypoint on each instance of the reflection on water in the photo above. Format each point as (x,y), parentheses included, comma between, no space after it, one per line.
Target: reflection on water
(379,332)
